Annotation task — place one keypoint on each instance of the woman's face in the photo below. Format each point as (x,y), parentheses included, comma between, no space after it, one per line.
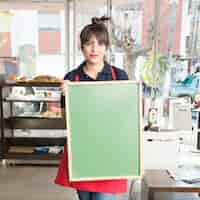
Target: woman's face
(93,51)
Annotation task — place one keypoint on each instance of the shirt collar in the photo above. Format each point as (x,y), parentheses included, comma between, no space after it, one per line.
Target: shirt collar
(105,70)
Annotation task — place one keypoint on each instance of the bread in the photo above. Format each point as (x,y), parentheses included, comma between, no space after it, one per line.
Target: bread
(46,78)
(21,79)
(11,77)
(39,79)
(49,114)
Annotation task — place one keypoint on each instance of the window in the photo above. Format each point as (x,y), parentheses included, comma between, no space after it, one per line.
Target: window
(35,34)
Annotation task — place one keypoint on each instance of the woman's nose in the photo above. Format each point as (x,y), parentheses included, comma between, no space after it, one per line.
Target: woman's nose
(94,46)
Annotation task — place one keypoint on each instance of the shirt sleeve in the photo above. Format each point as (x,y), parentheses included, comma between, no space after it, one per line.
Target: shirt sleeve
(62,100)
(122,75)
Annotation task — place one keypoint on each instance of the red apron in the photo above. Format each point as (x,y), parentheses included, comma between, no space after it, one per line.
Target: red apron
(107,186)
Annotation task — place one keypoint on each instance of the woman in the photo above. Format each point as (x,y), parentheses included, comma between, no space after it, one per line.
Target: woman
(94,43)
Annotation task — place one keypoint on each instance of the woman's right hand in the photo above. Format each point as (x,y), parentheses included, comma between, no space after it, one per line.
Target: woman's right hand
(64,86)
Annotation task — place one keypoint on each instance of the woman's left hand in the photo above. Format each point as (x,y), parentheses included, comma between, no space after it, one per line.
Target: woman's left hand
(64,86)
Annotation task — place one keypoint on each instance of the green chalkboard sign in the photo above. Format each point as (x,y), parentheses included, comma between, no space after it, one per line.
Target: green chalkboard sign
(104,130)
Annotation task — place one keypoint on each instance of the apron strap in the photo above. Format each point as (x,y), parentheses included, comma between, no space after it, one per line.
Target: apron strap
(77,77)
(113,73)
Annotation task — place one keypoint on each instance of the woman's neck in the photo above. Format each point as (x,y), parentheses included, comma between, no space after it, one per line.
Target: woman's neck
(93,69)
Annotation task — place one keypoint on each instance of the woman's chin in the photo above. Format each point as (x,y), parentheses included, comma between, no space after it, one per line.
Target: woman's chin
(94,62)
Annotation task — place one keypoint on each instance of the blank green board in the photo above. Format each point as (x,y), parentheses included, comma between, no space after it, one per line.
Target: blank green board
(103,120)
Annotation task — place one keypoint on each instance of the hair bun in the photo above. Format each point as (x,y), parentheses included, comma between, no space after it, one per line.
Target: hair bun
(101,20)
(96,20)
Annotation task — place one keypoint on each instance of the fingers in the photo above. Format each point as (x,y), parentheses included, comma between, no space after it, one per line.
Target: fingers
(64,87)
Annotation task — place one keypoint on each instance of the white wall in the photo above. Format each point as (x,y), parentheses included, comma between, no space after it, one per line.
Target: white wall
(185,27)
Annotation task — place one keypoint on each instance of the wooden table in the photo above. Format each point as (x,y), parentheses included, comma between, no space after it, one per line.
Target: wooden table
(161,181)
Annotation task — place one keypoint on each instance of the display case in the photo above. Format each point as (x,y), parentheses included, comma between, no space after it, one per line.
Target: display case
(32,126)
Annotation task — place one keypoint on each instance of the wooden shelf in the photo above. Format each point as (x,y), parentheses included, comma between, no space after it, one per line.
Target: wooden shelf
(35,141)
(32,100)
(31,84)
(32,156)
(34,123)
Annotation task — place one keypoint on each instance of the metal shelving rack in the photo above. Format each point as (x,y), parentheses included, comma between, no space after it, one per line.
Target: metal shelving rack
(13,122)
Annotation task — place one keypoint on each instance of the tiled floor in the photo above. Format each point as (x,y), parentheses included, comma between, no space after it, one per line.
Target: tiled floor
(31,183)
(34,183)
(37,183)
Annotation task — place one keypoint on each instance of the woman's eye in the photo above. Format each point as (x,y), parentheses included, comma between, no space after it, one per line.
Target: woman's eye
(93,43)
(88,43)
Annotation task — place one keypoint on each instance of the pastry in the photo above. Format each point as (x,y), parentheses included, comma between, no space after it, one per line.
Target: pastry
(21,79)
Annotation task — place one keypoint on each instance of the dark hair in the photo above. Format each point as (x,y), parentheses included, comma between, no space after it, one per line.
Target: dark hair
(96,28)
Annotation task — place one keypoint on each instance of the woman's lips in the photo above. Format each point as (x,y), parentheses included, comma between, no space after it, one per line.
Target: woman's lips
(93,55)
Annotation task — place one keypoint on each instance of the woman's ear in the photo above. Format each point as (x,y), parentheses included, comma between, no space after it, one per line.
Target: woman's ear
(81,48)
